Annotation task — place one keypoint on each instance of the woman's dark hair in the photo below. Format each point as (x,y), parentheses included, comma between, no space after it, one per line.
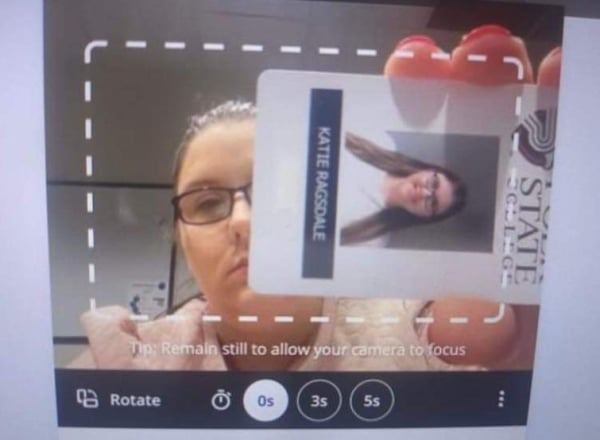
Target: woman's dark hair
(392,218)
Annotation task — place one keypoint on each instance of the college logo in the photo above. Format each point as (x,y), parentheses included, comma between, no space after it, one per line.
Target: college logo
(537,138)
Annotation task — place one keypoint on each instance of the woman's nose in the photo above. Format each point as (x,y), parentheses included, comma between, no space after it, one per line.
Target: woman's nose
(239,223)
(420,193)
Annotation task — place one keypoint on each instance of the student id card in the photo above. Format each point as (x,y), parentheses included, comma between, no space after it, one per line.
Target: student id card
(372,186)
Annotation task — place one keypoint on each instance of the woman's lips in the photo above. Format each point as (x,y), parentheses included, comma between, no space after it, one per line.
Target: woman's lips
(240,268)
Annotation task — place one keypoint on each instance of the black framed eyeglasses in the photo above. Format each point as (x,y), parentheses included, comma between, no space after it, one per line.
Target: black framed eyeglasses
(431,201)
(205,205)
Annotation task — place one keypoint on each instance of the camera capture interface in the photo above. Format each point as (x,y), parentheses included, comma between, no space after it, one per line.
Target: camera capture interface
(293,214)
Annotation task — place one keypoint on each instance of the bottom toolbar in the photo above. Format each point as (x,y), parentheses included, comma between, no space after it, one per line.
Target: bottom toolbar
(144,399)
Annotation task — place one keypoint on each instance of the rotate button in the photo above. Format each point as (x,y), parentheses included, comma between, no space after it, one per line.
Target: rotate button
(319,400)
(372,400)
(265,400)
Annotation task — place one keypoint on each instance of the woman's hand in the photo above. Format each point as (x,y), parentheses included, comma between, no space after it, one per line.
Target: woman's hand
(496,336)
(509,341)
(491,41)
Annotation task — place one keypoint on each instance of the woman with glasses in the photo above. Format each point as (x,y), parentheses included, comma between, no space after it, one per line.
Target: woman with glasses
(213,183)
(415,192)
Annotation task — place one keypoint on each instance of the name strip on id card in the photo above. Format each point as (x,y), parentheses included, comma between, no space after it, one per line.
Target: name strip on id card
(322,182)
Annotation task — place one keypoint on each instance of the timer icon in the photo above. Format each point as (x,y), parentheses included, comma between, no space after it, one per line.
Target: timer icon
(221,400)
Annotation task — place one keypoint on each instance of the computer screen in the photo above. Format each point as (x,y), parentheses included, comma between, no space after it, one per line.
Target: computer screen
(380,173)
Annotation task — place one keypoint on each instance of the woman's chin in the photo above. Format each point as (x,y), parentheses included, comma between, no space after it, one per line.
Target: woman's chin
(243,296)
(233,301)
(391,200)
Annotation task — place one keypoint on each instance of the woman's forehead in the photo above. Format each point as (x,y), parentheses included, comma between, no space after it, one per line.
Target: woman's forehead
(220,155)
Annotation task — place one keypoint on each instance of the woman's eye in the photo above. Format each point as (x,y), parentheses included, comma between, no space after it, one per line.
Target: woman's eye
(430,205)
(207,203)
(433,181)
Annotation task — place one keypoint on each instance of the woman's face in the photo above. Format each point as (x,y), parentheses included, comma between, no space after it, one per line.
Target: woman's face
(425,193)
(217,253)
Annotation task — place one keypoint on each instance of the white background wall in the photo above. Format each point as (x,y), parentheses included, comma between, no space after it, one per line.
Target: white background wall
(567,374)
(567,371)
(27,408)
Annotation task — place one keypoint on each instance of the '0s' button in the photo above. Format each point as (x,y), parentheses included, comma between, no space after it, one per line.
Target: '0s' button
(265,400)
